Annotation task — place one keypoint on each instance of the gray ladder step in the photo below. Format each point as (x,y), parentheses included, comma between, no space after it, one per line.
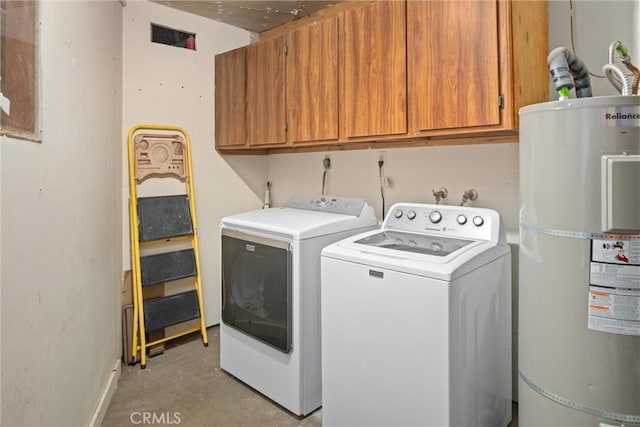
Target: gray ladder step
(162,217)
(170,310)
(168,266)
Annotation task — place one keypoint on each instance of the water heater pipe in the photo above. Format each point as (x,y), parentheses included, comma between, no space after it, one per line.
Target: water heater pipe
(625,58)
(267,196)
(568,71)
(621,81)
(636,75)
(618,78)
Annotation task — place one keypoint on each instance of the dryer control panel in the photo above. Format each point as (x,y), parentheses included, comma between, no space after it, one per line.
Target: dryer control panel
(453,221)
(330,204)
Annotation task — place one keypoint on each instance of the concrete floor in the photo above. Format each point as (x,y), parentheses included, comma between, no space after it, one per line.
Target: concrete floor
(185,386)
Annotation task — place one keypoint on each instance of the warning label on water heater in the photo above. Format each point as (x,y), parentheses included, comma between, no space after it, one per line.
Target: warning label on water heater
(614,286)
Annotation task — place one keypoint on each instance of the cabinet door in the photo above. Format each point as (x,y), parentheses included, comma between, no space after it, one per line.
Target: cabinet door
(375,79)
(265,92)
(453,63)
(312,82)
(229,99)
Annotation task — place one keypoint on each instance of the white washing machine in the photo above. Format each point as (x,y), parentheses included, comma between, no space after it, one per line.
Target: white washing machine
(416,321)
(270,330)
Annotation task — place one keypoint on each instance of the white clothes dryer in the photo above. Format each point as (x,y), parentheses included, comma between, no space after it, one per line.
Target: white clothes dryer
(416,321)
(270,330)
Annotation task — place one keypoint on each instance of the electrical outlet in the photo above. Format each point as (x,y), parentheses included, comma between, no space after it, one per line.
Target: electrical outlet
(326,162)
(382,157)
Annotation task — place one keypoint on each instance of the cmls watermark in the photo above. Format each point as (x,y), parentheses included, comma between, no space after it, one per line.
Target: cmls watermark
(155,418)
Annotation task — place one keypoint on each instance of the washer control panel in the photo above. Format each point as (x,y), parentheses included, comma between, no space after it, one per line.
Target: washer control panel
(455,221)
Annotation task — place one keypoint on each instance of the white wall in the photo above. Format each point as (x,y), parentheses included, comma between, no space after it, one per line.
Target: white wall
(413,174)
(175,86)
(61,244)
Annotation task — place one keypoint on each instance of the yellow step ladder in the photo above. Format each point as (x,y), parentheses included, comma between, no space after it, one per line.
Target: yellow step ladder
(164,237)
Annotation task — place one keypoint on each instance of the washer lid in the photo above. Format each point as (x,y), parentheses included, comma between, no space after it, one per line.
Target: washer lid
(416,243)
(455,258)
(302,223)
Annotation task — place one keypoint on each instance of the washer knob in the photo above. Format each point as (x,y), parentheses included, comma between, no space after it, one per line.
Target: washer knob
(478,221)
(435,217)
(397,213)
(462,220)
(411,214)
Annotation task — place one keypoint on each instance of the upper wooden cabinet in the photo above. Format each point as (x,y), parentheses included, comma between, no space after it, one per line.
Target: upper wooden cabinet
(265,93)
(229,99)
(369,72)
(312,82)
(453,59)
(291,86)
(473,64)
(375,73)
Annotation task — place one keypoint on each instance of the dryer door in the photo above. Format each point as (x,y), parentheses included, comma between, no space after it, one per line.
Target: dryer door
(256,287)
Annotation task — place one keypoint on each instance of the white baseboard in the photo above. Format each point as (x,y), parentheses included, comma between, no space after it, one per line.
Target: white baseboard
(107,393)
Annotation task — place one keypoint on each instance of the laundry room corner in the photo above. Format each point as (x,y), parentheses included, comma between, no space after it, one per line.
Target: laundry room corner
(314,212)
(159,82)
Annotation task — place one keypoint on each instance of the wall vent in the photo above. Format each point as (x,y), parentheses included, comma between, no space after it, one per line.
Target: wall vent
(169,36)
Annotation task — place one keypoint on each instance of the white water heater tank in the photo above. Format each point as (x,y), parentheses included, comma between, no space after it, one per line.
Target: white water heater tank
(579,276)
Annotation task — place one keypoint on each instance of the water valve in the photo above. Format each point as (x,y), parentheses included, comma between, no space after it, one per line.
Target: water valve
(440,194)
(469,195)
